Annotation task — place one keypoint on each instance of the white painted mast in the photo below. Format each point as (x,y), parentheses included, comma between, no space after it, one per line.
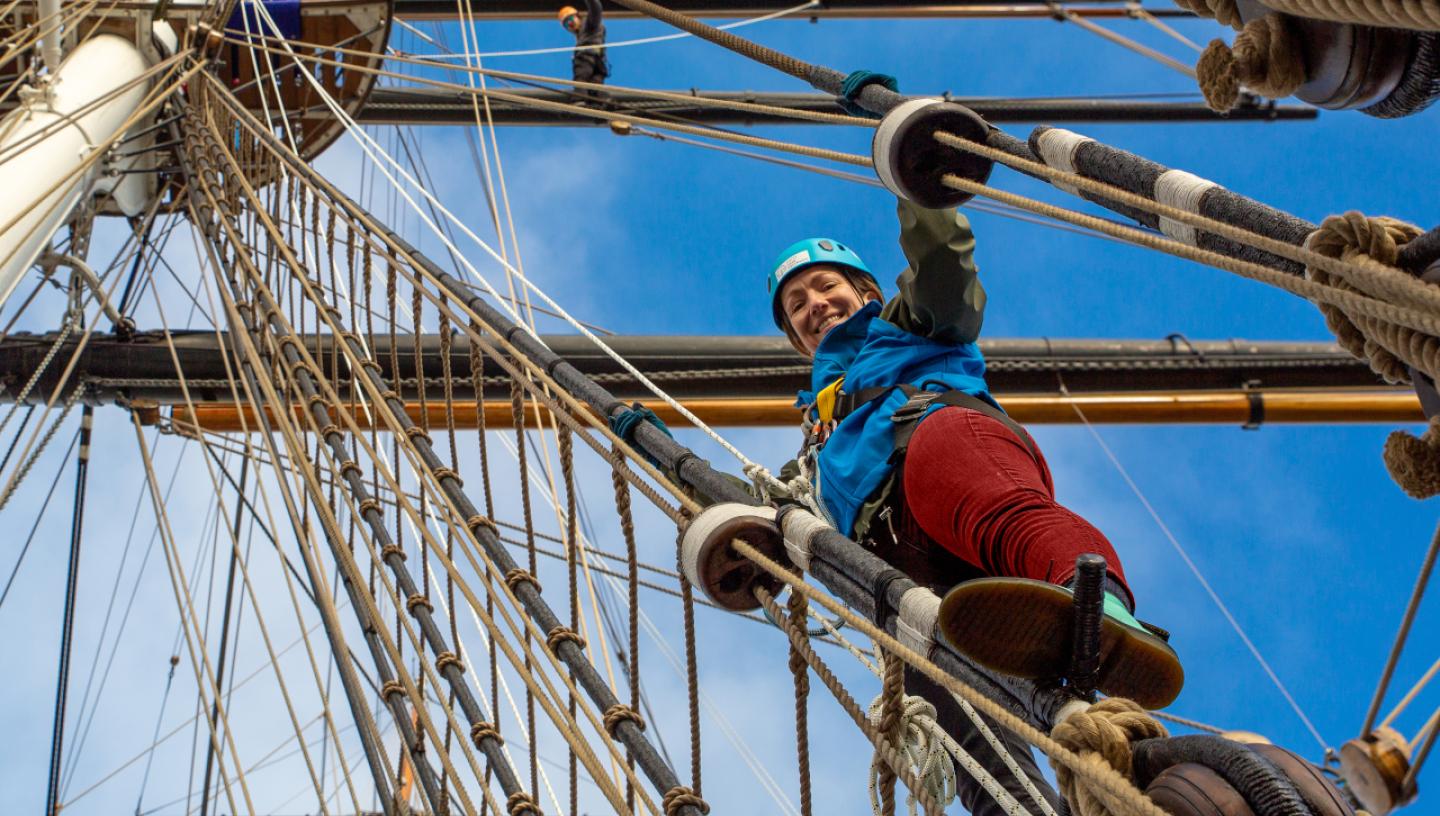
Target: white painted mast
(56,128)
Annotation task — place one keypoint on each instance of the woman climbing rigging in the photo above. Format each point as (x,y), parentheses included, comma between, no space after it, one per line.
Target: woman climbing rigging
(908,452)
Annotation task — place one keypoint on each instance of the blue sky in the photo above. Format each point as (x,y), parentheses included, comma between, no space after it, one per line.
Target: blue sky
(1298,529)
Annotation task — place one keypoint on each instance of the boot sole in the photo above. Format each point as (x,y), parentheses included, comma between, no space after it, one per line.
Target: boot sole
(1024,628)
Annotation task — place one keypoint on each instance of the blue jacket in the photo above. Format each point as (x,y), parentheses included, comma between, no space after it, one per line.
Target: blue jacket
(924,337)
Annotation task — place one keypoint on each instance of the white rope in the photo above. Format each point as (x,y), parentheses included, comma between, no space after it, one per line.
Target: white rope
(1057,148)
(1183,191)
(775,15)
(923,735)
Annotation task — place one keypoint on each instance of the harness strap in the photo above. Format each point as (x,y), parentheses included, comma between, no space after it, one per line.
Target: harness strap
(907,417)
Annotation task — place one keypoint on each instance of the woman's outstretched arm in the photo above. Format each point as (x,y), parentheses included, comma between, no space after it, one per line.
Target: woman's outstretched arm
(940,293)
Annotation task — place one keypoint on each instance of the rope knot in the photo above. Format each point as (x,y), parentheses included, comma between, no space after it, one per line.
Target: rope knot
(482,731)
(390,688)
(477,521)
(618,713)
(446,659)
(522,802)
(681,796)
(1266,57)
(1354,233)
(560,634)
(417,600)
(515,577)
(1101,735)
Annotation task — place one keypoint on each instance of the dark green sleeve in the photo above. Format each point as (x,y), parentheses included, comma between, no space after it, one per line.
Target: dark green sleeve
(940,293)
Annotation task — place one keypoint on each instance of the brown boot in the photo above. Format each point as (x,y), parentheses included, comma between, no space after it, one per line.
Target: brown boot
(1023,628)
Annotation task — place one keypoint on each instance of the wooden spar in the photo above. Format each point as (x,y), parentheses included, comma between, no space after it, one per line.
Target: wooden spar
(1175,407)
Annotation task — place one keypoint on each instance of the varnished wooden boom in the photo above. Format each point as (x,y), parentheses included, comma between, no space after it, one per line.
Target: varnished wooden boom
(1176,407)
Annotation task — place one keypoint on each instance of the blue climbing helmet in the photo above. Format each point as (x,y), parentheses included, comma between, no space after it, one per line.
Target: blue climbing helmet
(802,255)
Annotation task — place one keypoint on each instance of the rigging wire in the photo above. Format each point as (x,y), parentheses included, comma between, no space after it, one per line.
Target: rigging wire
(87,707)
(39,516)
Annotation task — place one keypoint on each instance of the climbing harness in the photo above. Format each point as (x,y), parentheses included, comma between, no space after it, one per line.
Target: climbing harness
(918,403)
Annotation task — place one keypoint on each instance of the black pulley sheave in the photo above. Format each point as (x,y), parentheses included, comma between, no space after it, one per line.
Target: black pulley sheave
(912,164)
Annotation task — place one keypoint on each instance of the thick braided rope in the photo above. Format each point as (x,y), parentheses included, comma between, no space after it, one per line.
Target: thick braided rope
(1413,462)
(1102,736)
(1420,15)
(1266,58)
(1345,237)
(1224,12)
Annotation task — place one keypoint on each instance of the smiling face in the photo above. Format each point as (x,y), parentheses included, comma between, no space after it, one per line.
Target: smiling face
(818,299)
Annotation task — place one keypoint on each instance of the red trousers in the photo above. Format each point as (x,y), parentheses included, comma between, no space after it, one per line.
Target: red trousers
(975,489)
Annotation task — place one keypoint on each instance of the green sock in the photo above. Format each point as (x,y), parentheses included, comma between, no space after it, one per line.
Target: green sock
(1115,608)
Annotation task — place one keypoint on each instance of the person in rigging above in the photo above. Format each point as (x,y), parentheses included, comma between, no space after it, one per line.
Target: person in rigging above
(907,451)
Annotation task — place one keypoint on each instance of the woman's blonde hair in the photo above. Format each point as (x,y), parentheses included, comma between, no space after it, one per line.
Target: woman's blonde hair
(863,284)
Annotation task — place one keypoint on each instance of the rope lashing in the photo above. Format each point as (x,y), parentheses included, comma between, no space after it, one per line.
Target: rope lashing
(1419,15)
(521,802)
(618,713)
(482,731)
(560,634)
(418,601)
(679,797)
(447,659)
(448,473)
(855,82)
(391,688)
(392,549)
(1267,57)
(478,522)
(1413,462)
(517,576)
(1224,12)
(625,423)
(1102,735)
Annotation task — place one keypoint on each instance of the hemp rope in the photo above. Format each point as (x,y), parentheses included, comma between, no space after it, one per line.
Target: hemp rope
(1419,15)
(798,606)
(1413,462)
(1102,735)
(1266,57)
(1224,12)
(887,722)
